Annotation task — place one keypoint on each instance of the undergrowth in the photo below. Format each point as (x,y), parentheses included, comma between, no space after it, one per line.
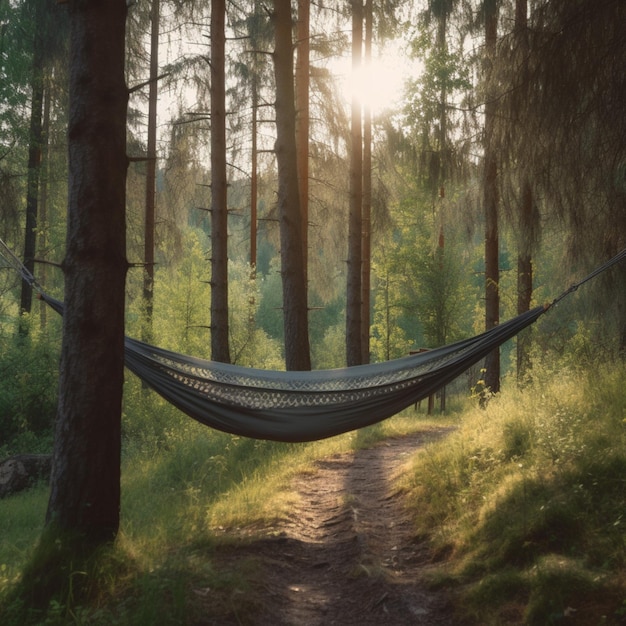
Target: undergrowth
(525,507)
(186,490)
(526,503)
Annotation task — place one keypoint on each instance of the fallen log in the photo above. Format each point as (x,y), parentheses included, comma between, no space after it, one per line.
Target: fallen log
(22,471)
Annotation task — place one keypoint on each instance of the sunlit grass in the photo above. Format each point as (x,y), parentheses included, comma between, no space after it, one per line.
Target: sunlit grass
(526,502)
(186,491)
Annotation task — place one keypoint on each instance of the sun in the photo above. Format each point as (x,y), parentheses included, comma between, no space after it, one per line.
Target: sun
(378,84)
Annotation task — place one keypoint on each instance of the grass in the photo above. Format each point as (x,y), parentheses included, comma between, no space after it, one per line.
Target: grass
(184,488)
(524,506)
(526,502)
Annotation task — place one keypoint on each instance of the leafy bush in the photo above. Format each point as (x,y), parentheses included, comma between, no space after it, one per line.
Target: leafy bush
(28,393)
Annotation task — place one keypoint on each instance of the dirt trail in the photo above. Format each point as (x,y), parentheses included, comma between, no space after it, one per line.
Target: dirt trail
(347,553)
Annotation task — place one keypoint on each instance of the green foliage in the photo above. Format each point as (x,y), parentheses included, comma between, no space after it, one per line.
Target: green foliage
(422,273)
(531,491)
(330,353)
(28,392)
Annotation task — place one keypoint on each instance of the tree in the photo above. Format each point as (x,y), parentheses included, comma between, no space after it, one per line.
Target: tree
(85,483)
(354,291)
(302,121)
(34,152)
(48,29)
(516,182)
(527,231)
(490,196)
(295,307)
(366,208)
(219,185)
(574,136)
(151,167)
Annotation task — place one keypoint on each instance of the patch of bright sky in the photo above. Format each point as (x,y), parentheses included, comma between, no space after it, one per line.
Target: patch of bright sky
(380,84)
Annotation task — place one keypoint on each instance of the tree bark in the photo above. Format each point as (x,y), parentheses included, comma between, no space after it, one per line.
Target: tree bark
(150,205)
(254,175)
(34,156)
(44,192)
(490,200)
(354,292)
(524,278)
(85,483)
(220,350)
(295,308)
(526,237)
(302,123)
(366,252)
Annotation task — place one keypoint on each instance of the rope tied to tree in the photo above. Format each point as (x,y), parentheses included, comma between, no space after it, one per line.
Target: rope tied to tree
(602,268)
(15,263)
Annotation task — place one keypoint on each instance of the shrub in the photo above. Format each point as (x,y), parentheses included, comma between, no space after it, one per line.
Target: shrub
(28,392)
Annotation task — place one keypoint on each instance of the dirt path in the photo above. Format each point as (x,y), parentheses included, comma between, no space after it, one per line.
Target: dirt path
(347,553)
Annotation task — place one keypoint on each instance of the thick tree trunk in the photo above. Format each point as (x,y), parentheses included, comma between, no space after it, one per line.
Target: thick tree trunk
(354,291)
(150,205)
(85,483)
(220,350)
(490,200)
(295,308)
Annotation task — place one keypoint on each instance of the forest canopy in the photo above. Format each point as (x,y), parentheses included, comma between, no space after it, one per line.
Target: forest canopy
(540,105)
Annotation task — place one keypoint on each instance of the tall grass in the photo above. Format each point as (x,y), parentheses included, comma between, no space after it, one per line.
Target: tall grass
(526,502)
(185,489)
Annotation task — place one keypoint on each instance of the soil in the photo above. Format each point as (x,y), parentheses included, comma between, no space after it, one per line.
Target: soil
(347,554)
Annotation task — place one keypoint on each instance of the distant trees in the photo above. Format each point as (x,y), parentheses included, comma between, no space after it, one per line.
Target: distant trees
(48,25)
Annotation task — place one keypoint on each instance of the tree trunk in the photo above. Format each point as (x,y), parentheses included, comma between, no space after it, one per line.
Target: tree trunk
(34,157)
(302,123)
(150,208)
(220,350)
(526,222)
(295,309)
(524,278)
(354,293)
(254,175)
(44,192)
(85,483)
(367,198)
(490,199)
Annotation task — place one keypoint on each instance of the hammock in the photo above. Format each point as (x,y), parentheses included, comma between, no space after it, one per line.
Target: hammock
(306,406)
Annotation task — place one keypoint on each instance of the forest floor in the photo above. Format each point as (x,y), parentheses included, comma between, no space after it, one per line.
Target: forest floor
(347,554)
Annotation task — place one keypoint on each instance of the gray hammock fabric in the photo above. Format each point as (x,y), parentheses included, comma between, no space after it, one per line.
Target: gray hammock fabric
(306,406)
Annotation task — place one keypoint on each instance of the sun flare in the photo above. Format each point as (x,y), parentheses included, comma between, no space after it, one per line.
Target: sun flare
(378,84)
